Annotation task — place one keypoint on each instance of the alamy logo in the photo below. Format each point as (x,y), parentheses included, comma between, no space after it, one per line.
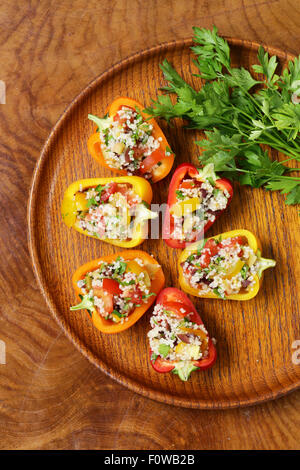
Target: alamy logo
(2,92)
(2,352)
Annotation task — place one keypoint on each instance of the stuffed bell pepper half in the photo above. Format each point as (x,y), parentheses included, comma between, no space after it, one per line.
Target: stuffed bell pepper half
(178,339)
(226,266)
(128,142)
(118,289)
(197,197)
(114,210)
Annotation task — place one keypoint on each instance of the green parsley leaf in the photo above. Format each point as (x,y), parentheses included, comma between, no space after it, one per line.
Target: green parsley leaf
(218,293)
(267,67)
(238,114)
(168,150)
(120,315)
(179,194)
(146,296)
(122,266)
(244,271)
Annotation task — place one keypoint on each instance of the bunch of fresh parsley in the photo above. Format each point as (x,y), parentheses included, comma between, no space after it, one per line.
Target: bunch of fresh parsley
(239,113)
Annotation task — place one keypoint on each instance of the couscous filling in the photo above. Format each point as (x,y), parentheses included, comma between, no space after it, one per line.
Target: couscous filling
(197,203)
(115,289)
(176,338)
(107,211)
(127,141)
(222,267)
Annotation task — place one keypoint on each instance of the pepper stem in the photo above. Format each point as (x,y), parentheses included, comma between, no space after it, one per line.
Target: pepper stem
(85,304)
(102,123)
(207,173)
(142,213)
(184,369)
(264,263)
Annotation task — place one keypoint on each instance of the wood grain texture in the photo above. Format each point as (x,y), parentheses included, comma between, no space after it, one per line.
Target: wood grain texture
(254,338)
(50,395)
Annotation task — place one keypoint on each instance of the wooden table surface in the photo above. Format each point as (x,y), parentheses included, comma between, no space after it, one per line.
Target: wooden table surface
(51,397)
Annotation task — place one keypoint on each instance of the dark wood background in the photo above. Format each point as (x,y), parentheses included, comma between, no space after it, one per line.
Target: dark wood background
(50,396)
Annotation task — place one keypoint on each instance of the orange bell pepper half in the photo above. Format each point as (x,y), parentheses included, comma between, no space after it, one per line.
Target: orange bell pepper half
(153,270)
(158,164)
(243,237)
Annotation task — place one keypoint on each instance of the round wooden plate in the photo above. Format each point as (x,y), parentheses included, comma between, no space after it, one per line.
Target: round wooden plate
(255,338)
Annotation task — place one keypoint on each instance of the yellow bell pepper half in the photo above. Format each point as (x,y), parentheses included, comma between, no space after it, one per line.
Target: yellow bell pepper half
(74,200)
(253,242)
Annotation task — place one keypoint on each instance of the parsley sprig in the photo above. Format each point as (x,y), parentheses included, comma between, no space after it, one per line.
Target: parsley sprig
(239,113)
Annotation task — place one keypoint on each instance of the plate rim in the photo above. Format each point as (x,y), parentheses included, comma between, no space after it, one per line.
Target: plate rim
(122,379)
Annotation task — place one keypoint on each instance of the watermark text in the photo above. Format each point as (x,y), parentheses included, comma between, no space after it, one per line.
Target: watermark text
(2,352)
(296,353)
(2,92)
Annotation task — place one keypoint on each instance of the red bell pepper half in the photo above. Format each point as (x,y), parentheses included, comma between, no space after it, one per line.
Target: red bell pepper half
(180,305)
(187,176)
